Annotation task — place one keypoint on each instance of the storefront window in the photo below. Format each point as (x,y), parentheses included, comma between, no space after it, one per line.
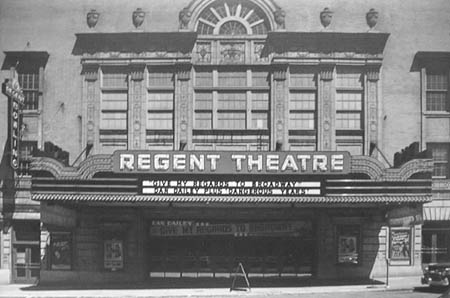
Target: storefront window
(61,251)
(348,237)
(400,246)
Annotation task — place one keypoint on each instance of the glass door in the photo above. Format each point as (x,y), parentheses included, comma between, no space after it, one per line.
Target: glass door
(26,263)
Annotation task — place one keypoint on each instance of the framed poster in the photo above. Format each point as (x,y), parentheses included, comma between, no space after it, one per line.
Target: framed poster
(113,255)
(61,249)
(348,244)
(400,246)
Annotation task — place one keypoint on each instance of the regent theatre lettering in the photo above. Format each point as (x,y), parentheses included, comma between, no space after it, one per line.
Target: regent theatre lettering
(232,173)
(311,163)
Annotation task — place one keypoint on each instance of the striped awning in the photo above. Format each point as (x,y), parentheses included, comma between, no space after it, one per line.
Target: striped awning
(436,213)
(133,198)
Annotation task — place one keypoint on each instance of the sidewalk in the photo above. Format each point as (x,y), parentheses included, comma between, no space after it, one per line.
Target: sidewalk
(30,291)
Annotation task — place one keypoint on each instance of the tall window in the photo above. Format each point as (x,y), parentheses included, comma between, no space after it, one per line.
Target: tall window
(231,99)
(349,110)
(302,108)
(114,110)
(29,81)
(437,90)
(440,153)
(160,108)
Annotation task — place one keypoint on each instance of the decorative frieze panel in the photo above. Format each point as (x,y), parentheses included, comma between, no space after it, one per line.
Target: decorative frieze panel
(279,77)
(183,76)
(326,101)
(372,74)
(136,103)
(257,53)
(232,52)
(203,52)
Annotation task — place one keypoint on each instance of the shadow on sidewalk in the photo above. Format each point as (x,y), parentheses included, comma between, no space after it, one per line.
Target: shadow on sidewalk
(206,283)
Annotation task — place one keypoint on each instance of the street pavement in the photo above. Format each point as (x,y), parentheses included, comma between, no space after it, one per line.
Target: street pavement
(398,288)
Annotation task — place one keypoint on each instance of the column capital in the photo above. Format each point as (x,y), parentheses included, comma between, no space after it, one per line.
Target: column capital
(137,72)
(326,72)
(90,72)
(373,72)
(279,72)
(183,71)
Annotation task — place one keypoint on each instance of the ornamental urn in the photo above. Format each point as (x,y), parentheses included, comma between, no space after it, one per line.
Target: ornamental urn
(372,18)
(325,17)
(138,17)
(92,18)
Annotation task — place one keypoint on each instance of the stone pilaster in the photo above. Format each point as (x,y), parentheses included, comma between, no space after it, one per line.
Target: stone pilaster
(183,121)
(371,125)
(326,109)
(279,111)
(136,95)
(91,106)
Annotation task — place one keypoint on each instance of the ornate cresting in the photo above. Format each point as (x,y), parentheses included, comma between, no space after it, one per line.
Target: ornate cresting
(189,16)
(359,164)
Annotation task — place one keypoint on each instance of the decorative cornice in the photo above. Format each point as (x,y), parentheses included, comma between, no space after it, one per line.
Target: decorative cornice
(326,42)
(377,171)
(86,170)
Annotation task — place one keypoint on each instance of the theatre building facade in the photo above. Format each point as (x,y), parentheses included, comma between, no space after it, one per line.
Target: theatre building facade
(230,138)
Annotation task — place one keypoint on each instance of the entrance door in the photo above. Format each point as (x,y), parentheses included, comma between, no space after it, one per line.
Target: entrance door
(26,263)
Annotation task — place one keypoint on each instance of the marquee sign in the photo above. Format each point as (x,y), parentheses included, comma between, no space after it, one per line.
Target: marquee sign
(198,162)
(11,88)
(188,228)
(231,188)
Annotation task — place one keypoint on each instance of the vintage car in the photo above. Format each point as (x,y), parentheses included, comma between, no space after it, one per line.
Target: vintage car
(436,274)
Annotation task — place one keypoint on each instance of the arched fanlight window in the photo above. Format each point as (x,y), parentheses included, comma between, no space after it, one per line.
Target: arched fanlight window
(232,17)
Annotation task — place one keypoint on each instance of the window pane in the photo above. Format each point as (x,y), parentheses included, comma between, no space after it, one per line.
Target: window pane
(302,101)
(348,78)
(114,101)
(160,101)
(440,153)
(260,79)
(348,121)
(302,77)
(160,78)
(437,81)
(31,101)
(353,149)
(232,101)
(232,79)
(436,101)
(203,120)
(29,81)
(234,120)
(159,120)
(203,101)
(114,79)
(203,78)
(301,121)
(260,101)
(348,101)
(113,120)
(259,120)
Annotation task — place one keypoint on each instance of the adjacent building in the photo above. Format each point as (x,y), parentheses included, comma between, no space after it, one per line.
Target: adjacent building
(180,138)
